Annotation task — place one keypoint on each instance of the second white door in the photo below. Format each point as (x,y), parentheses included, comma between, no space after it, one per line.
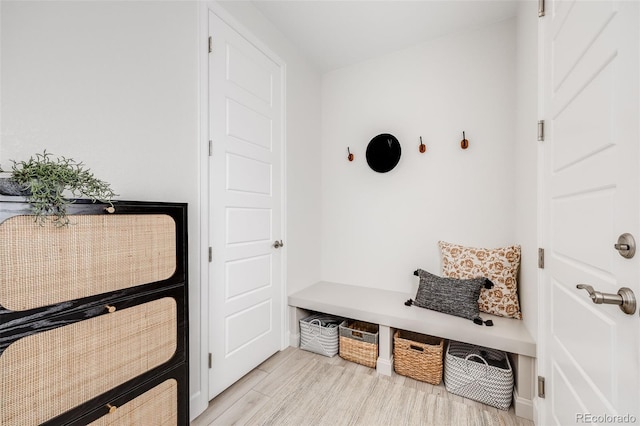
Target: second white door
(590,353)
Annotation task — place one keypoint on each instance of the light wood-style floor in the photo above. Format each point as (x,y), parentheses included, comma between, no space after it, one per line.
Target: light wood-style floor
(244,398)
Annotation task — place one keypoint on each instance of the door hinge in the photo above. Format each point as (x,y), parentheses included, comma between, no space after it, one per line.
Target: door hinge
(541,130)
(210,148)
(210,360)
(541,258)
(210,254)
(540,8)
(540,387)
(210,44)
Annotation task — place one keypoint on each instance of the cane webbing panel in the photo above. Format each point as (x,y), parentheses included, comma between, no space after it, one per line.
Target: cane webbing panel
(46,374)
(45,265)
(158,406)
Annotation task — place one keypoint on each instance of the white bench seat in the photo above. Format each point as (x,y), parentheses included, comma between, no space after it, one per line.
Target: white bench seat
(387,309)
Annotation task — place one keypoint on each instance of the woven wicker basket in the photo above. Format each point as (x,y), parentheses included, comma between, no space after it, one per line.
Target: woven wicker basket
(359,342)
(418,356)
(319,334)
(478,373)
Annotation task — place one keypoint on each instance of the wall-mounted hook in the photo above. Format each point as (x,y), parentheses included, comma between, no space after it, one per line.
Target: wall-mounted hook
(350,156)
(422,148)
(464,143)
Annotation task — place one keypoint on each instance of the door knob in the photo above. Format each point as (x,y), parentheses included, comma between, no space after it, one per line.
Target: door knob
(625,298)
(278,244)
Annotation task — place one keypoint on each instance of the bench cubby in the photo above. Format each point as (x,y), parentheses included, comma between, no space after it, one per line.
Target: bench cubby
(387,309)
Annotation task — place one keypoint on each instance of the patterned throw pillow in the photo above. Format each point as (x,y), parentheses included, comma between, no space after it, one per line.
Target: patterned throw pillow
(499,265)
(449,296)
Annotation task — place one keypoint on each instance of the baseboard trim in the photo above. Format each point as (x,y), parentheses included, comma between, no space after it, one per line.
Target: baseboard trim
(197,404)
(385,366)
(294,339)
(523,407)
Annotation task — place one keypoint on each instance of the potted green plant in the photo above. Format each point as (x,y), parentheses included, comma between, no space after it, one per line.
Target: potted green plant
(45,180)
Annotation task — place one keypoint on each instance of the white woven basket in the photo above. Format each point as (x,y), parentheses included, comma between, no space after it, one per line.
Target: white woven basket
(478,373)
(319,334)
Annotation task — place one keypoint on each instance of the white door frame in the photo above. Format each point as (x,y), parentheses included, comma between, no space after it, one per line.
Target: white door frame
(538,411)
(200,392)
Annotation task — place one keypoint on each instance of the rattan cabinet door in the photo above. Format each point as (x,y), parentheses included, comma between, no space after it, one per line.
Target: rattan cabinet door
(48,373)
(95,254)
(158,407)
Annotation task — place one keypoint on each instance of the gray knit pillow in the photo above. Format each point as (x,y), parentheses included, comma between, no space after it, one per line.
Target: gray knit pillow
(449,295)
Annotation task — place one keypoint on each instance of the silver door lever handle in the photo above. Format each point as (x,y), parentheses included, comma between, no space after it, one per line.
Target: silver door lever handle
(598,297)
(625,298)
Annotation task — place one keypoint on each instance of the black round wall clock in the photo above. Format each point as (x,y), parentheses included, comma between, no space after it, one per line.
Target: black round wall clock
(383,153)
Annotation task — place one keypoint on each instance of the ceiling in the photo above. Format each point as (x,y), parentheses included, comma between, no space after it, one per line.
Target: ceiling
(333,34)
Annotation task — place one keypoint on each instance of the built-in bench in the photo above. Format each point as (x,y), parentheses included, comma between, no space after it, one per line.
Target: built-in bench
(387,309)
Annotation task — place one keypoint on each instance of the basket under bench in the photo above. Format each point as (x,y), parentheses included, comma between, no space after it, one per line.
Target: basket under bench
(386,308)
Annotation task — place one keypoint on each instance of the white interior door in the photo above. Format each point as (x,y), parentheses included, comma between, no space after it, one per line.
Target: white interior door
(245,172)
(590,353)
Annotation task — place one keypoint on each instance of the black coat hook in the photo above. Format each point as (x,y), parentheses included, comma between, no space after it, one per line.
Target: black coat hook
(422,148)
(350,156)
(464,143)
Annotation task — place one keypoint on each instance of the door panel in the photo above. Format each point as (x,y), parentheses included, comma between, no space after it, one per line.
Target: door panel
(570,307)
(567,402)
(572,38)
(246,326)
(246,285)
(245,275)
(245,69)
(248,225)
(590,184)
(248,175)
(585,132)
(569,229)
(248,125)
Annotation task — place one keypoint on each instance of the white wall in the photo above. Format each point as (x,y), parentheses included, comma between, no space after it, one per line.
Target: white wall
(378,228)
(110,83)
(113,84)
(526,159)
